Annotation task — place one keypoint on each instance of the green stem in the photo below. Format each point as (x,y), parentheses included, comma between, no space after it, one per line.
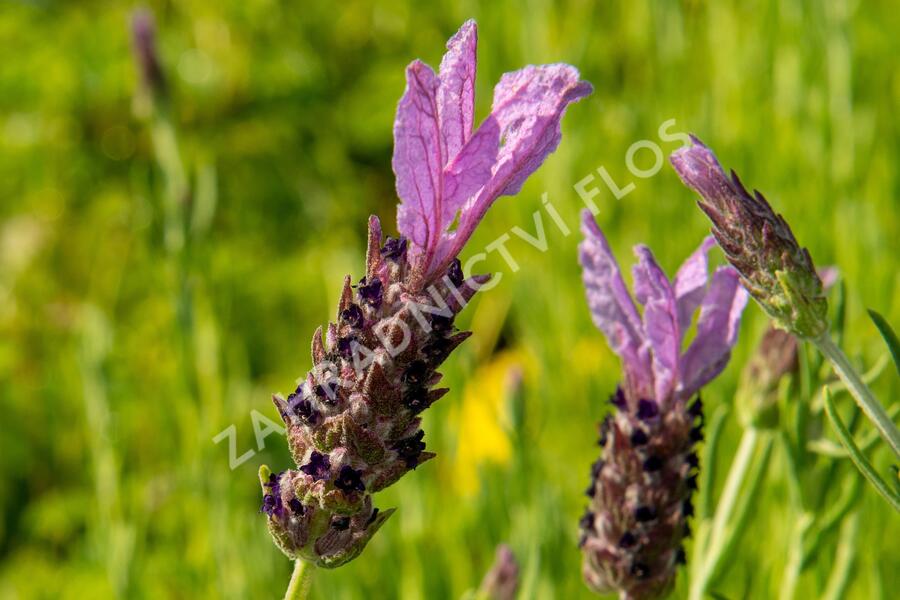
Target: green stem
(844,558)
(860,392)
(707,481)
(832,519)
(795,558)
(708,470)
(177,190)
(727,503)
(741,515)
(301,580)
(795,485)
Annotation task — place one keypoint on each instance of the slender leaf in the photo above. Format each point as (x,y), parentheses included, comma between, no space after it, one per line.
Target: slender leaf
(890,338)
(861,462)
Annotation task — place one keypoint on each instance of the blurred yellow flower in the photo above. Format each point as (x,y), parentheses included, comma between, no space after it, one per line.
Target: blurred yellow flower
(482,421)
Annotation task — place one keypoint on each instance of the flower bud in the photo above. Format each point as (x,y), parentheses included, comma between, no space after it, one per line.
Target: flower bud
(776,271)
(502,581)
(757,396)
(143,41)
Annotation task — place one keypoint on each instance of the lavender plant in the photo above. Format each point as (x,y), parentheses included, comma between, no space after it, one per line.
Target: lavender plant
(779,274)
(353,423)
(641,487)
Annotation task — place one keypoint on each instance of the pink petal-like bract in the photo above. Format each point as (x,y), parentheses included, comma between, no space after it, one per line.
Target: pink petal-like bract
(654,291)
(612,309)
(690,283)
(717,330)
(418,159)
(444,171)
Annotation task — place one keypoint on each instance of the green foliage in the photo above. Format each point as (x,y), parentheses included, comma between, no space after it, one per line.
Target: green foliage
(890,338)
(134,329)
(858,458)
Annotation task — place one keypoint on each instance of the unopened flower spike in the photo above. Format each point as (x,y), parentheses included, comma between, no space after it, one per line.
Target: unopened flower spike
(758,242)
(774,268)
(641,486)
(353,422)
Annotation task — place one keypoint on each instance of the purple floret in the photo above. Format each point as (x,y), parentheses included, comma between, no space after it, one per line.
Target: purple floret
(318,467)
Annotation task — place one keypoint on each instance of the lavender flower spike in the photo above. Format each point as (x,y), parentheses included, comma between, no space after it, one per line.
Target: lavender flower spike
(641,486)
(758,242)
(353,423)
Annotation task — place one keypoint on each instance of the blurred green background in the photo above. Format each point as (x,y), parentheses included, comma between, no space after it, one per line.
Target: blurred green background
(133,329)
